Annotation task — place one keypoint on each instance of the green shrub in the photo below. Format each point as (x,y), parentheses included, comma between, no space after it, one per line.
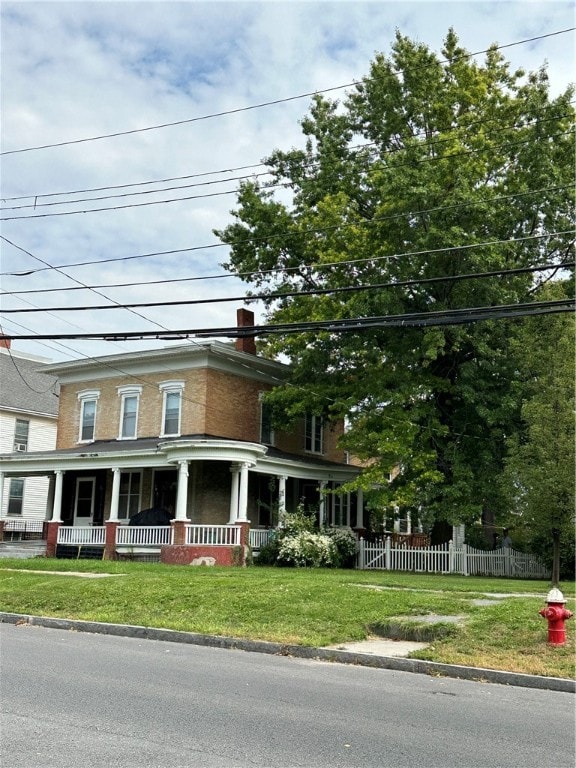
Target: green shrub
(299,544)
(268,553)
(346,547)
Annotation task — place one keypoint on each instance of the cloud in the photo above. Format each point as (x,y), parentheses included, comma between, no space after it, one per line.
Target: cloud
(84,69)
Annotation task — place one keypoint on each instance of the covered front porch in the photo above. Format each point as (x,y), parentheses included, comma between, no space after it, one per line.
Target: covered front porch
(220,497)
(128,542)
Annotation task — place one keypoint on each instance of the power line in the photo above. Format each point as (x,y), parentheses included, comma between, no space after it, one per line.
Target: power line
(406,320)
(310,267)
(311,231)
(308,163)
(35,205)
(123,207)
(283,185)
(266,103)
(116,370)
(296,293)
(118,304)
(138,183)
(22,377)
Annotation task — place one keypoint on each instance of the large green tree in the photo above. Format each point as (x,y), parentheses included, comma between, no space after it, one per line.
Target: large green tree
(539,476)
(431,168)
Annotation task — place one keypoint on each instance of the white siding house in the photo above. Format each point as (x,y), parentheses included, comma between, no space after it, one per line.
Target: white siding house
(28,423)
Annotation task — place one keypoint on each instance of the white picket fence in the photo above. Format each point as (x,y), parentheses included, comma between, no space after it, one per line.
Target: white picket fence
(447,558)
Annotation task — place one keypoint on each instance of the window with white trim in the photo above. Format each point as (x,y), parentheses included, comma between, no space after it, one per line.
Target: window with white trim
(129,412)
(16,496)
(88,406)
(21,430)
(340,517)
(313,434)
(171,407)
(129,498)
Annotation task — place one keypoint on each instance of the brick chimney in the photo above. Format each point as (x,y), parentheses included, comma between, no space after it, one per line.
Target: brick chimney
(245,318)
(5,342)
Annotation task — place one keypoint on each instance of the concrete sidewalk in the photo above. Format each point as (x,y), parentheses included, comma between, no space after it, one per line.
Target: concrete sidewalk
(370,653)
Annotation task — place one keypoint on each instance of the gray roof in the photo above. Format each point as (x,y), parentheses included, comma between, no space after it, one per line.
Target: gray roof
(152,443)
(25,388)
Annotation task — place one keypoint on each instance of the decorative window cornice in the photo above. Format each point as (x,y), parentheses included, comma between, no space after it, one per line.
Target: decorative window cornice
(89,394)
(171,386)
(129,390)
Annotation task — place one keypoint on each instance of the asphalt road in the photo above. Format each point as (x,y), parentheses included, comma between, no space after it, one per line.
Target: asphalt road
(74,700)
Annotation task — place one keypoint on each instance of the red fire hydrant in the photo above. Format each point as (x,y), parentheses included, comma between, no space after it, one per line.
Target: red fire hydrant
(556,614)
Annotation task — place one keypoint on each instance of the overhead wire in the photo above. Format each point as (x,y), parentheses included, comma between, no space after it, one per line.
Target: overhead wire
(280,185)
(273,102)
(118,304)
(407,320)
(22,377)
(36,205)
(206,117)
(115,369)
(83,285)
(299,294)
(362,222)
(311,162)
(318,267)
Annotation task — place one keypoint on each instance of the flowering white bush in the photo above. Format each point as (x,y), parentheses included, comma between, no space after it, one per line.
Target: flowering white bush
(346,546)
(297,543)
(307,549)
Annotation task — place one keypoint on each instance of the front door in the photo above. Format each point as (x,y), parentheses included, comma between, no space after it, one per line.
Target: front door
(84,502)
(165,489)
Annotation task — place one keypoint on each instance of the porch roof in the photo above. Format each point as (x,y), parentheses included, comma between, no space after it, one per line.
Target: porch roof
(164,452)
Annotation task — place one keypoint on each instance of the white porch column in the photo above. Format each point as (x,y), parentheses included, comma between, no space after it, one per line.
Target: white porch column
(182,492)
(281,494)
(235,471)
(1,494)
(115,495)
(57,506)
(50,496)
(359,508)
(243,494)
(409,522)
(322,505)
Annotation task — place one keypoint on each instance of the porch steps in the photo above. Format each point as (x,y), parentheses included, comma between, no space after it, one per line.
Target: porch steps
(23,549)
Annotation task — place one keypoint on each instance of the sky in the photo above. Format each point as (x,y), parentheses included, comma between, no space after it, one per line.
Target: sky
(73,71)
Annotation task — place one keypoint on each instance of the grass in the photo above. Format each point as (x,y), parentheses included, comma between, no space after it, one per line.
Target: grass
(300,606)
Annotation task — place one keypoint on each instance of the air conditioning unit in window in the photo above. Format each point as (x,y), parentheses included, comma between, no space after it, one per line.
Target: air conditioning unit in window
(19,446)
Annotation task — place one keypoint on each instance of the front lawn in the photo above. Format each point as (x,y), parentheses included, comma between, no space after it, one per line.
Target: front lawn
(298,606)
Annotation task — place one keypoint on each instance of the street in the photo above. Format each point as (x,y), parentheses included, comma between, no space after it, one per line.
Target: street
(74,700)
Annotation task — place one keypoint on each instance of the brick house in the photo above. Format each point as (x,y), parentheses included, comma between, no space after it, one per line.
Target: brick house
(185,430)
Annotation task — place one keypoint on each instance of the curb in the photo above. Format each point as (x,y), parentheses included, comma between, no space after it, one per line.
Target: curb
(418,666)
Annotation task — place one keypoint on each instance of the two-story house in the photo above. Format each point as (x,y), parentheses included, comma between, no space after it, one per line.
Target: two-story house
(185,429)
(28,413)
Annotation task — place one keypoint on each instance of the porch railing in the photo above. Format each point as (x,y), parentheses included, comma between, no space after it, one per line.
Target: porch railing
(144,536)
(76,535)
(23,529)
(260,536)
(213,535)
